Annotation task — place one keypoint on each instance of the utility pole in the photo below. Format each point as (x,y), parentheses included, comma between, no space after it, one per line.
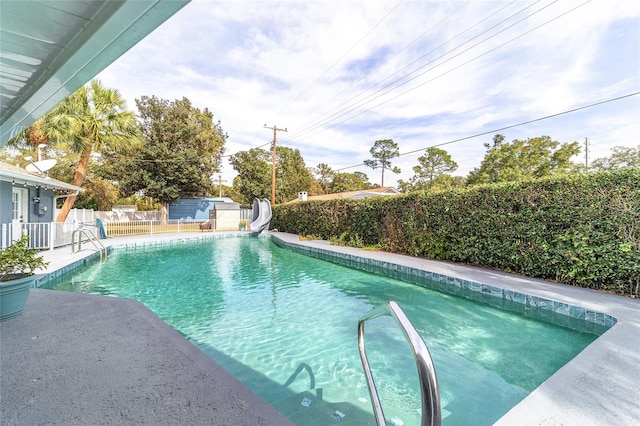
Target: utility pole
(586,155)
(220,184)
(273,167)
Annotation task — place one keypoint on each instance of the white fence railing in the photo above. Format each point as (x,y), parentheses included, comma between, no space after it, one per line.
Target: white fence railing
(47,235)
(55,234)
(150,227)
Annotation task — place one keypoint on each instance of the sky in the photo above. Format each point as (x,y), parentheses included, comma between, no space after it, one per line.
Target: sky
(341,74)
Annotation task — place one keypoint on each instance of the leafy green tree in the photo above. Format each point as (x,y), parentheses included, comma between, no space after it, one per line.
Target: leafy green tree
(344,182)
(622,157)
(324,175)
(183,149)
(435,163)
(523,159)
(292,175)
(383,151)
(254,174)
(445,182)
(315,188)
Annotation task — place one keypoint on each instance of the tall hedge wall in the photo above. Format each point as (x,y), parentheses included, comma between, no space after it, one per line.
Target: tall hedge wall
(582,230)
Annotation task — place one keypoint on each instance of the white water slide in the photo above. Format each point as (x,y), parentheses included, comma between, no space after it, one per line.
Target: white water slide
(261,216)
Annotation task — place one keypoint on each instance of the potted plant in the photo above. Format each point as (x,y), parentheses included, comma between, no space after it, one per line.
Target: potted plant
(243,225)
(18,263)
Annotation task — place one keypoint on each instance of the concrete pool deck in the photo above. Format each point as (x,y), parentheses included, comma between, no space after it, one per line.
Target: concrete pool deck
(82,359)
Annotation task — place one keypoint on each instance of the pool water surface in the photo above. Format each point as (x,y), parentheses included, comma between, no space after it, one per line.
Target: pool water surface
(285,325)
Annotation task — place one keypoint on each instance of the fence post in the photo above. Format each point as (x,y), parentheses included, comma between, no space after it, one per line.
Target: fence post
(4,236)
(52,235)
(151,227)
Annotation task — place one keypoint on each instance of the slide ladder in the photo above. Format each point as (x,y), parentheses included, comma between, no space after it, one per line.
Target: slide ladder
(430,395)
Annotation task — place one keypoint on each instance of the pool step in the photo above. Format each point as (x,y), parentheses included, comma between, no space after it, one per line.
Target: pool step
(327,406)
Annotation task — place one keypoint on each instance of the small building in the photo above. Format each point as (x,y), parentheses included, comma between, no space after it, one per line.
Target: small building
(226,216)
(27,197)
(196,208)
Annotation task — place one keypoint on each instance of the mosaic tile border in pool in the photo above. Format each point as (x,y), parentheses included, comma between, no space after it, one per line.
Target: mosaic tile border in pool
(559,313)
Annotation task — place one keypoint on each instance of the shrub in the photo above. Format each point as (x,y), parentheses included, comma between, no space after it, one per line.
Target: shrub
(581,230)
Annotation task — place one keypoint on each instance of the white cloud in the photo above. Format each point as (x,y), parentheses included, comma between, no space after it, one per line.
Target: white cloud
(299,63)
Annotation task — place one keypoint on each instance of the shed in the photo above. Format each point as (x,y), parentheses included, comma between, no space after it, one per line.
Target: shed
(226,215)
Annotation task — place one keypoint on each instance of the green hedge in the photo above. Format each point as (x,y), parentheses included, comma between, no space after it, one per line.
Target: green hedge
(582,230)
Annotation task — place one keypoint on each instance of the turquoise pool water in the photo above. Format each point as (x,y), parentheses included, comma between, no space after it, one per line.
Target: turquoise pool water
(265,313)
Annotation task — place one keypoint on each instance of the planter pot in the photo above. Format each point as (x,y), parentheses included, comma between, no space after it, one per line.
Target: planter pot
(13,296)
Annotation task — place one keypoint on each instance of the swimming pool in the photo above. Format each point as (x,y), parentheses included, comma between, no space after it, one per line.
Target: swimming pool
(265,313)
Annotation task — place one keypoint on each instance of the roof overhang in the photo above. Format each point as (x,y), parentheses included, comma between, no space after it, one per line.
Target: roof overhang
(27,179)
(50,49)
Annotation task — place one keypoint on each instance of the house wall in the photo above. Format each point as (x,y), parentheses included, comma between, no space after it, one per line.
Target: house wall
(35,211)
(193,208)
(38,205)
(5,202)
(227,220)
(43,211)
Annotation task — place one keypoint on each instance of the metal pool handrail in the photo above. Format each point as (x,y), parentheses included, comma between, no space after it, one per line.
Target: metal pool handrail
(91,237)
(430,395)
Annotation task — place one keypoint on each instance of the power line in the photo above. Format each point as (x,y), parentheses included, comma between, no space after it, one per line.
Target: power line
(339,59)
(255,147)
(509,127)
(354,104)
(355,107)
(141,160)
(386,61)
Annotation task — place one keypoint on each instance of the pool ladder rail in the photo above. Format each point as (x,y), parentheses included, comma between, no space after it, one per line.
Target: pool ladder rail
(91,236)
(429,392)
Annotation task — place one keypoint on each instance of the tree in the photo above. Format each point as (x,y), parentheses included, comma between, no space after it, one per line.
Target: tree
(182,150)
(324,175)
(523,159)
(621,158)
(92,119)
(435,163)
(254,174)
(292,175)
(99,194)
(344,182)
(382,152)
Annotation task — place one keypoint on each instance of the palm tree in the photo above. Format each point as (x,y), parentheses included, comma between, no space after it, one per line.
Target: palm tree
(92,118)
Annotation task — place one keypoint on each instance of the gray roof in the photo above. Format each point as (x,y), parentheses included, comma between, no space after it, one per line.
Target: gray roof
(11,173)
(226,206)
